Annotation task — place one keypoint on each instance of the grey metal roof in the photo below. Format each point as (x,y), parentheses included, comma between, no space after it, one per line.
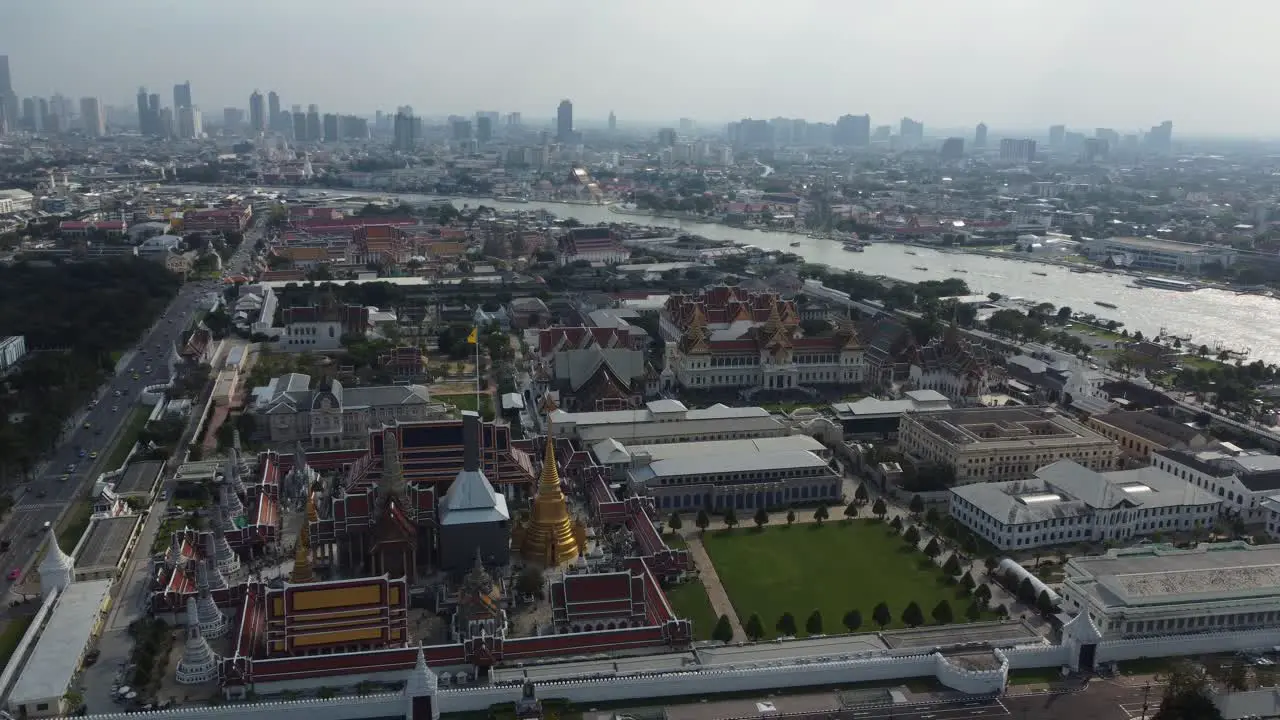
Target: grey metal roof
(715,464)
(1081,491)
(56,657)
(471,499)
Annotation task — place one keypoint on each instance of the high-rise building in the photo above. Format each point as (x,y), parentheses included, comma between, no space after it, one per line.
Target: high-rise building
(910,132)
(513,120)
(461,128)
(1017,150)
(91,118)
(232,120)
(314,131)
(952,149)
(273,111)
(8,98)
(1057,134)
(1095,149)
(404,130)
(182,96)
(853,131)
(29,121)
(329,125)
(564,121)
(299,125)
(47,122)
(189,121)
(980,136)
(613,121)
(667,137)
(484,128)
(1160,137)
(146,125)
(164,126)
(258,112)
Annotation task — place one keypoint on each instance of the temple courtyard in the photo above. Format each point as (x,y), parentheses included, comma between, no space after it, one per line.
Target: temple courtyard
(834,568)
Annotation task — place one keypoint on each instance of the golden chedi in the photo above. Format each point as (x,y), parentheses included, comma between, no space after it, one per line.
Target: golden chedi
(548,535)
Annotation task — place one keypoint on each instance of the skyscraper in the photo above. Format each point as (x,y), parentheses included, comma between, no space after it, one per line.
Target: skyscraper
(182,96)
(980,136)
(330,126)
(1018,150)
(273,110)
(484,128)
(1057,135)
(232,120)
(404,130)
(299,125)
(564,121)
(190,122)
(29,121)
(314,130)
(257,112)
(952,149)
(8,98)
(91,117)
(613,121)
(1160,137)
(853,130)
(145,126)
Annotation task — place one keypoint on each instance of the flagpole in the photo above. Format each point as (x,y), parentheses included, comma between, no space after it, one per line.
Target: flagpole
(479,410)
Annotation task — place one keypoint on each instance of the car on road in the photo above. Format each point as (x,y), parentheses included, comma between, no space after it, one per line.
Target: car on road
(164,495)
(115,408)
(63,478)
(93,455)
(15,573)
(87,424)
(83,453)
(71,467)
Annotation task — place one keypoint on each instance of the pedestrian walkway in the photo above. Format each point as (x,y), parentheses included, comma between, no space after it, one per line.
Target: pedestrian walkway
(715,589)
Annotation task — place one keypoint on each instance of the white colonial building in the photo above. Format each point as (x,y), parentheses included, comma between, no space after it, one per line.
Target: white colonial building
(731,476)
(666,421)
(332,417)
(1158,590)
(1068,503)
(1242,479)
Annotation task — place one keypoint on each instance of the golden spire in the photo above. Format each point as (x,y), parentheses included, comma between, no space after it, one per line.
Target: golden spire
(550,536)
(312,515)
(302,570)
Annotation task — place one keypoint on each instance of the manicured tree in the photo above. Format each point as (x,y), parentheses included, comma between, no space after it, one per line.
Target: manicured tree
(967,580)
(791,517)
(942,613)
(754,628)
(916,506)
(761,518)
(931,518)
(675,523)
(820,514)
(896,523)
(983,593)
(702,520)
(860,495)
(851,510)
(852,620)
(912,535)
(878,508)
(881,615)
(1044,603)
(991,563)
(933,549)
(730,519)
(786,625)
(1026,591)
(952,565)
(813,625)
(912,615)
(1001,610)
(723,631)
(973,612)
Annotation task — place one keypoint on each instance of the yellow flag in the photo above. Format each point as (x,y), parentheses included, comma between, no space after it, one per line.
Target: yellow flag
(472,337)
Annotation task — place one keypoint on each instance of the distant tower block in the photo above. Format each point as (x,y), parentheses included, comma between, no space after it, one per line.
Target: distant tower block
(213,624)
(198,664)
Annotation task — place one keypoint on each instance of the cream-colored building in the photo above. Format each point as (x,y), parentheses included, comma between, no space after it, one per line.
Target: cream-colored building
(1003,443)
(1140,433)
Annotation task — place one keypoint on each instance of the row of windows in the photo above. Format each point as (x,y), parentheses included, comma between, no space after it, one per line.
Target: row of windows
(740,477)
(750,500)
(1254,619)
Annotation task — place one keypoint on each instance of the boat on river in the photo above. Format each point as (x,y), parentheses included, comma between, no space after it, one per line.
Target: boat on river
(1104,304)
(1166,283)
(853,247)
(795,244)
(918,267)
(1040,274)
(911,252)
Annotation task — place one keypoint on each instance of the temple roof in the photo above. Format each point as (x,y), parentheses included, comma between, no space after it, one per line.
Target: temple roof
(471,499)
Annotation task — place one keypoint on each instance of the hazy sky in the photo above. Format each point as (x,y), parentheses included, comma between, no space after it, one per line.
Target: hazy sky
(1125,64)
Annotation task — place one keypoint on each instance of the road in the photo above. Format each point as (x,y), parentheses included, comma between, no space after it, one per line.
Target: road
(96,428)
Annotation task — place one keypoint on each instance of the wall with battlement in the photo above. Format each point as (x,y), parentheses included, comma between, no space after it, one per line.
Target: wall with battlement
(341,708)
(1036,656)
(1177,645)
(973,682)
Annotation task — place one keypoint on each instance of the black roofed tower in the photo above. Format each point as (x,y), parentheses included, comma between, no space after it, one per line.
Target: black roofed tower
(474,518)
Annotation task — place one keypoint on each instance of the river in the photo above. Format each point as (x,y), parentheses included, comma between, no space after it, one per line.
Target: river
(1237,322)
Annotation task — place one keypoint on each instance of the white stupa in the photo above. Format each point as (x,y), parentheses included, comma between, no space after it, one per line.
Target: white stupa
(57,569)
(213,624)
(198,664)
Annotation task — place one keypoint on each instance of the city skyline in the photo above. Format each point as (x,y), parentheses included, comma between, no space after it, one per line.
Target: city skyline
(952,67)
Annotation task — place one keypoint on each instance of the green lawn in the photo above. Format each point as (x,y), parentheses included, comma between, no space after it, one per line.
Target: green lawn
(834,568)
(128,436)
(12,634)
(1100,333)
(1196,362)
(468,402)
(73,525)
(690,601)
